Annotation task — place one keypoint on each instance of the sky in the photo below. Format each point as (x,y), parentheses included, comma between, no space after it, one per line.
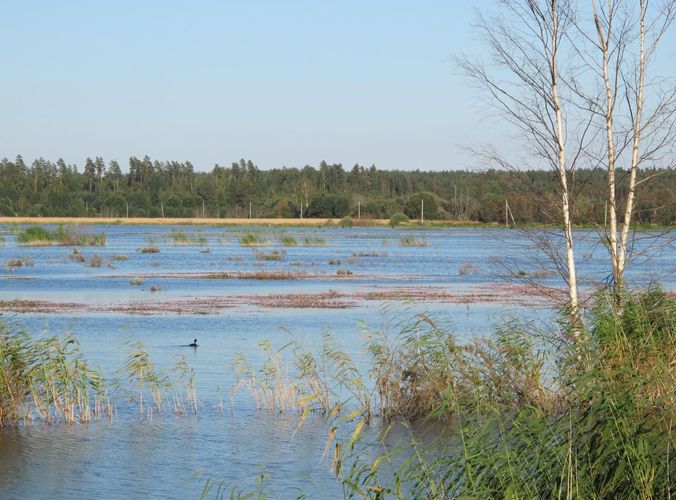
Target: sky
(277,82)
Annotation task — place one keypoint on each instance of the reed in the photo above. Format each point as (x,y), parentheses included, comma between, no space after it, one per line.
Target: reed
(314,242)
(47,380)
(252,240)
(63,235)
(288,241)
(410,241)
(526,417)
(148,380)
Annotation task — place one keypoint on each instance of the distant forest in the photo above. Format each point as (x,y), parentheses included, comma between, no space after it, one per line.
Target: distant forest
(150,188)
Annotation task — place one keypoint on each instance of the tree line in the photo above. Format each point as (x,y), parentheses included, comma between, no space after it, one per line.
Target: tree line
(151,188)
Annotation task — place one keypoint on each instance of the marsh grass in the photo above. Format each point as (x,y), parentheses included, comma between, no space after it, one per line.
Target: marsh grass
(410,241)
(47,380)
(151,247)
(182,238)
(252,240)
(288,241)
(314,242)
(142,373)
(274,255)
(63,235)
(528,417)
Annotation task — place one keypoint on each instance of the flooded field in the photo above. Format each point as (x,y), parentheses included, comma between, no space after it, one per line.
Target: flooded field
(231,289)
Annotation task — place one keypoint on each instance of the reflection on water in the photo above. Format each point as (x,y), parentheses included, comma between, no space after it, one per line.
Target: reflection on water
(161,458)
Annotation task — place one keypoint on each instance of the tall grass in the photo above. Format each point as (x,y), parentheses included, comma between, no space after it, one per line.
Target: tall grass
(528,417)
(47,380)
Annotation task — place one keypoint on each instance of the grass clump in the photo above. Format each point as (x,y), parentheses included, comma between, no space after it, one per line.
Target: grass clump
(397,219)
(119,257)
(182,238)
(469,269)
(63,235)
(136,282)
(410,241)
(252,240)
(288,241)
(314,242)
(151,247)
(23,261)
(273,255)
(346,222)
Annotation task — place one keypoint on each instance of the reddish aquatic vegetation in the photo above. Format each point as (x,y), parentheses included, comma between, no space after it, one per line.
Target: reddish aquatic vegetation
(493,294)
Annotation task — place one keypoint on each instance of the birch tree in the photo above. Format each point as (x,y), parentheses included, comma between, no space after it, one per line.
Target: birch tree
(527,41)
(639,128)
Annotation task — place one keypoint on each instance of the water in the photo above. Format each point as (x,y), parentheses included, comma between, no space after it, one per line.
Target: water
(170,456)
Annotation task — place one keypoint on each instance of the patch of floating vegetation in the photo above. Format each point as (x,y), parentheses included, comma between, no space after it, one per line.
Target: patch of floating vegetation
(469,269)
(151,247)
(410,241)
(369,254)
(136,282)
(63,235)
(314,242)
(182,238)
(273,255)
(252,240)
(288,241)
(23,261)
(119,257)
(344,272)
(258,275)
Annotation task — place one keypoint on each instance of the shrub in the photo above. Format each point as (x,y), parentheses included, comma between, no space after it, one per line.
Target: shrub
(346,222)
(397,219)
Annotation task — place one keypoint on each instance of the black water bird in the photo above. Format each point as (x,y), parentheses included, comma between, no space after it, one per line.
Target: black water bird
(194,343)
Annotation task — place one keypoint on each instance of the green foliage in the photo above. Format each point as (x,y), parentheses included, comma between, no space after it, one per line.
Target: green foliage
(397,219)
(346,222)
(252,240)
(414,204)
(173,189)
(288,241)
(411,241)
(46,379)
(63,235)
(527,417)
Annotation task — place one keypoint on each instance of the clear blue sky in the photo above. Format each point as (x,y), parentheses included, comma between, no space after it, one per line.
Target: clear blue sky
(278,82)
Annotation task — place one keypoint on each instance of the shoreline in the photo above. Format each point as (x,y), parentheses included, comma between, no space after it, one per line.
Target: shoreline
(280,222)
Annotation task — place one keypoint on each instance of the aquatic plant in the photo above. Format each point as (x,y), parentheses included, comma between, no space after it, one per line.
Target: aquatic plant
(143,374)
(23,261)
(119,257)
(185,390)
(95,261)
(151,247)
(46,379)
(273,255)
(288,241)
(314,242)
(63,235)
(468,268)
(528,417)
(252,240)
(410,241)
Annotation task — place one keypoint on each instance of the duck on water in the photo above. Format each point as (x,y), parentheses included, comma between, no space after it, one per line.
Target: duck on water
(193,344)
